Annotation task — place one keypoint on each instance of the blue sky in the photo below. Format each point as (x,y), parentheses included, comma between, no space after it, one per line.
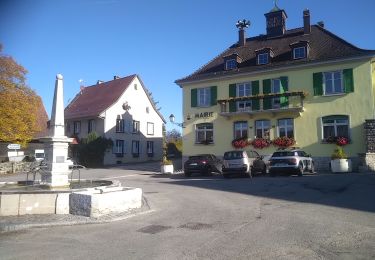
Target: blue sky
(161,40)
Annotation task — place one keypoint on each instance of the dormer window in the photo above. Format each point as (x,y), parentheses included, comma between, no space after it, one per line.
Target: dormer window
(231,64)
(299,53)
(231,61)
(262,58)
(300,50)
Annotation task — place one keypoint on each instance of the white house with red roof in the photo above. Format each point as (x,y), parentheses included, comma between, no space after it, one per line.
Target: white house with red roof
(122,110)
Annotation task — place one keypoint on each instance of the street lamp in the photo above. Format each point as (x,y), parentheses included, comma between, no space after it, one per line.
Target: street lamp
(172,118)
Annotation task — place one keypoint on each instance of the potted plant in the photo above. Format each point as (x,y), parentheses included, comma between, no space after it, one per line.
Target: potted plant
(166,166)
(284,141)
(260,143)
(340,161)
(241,143)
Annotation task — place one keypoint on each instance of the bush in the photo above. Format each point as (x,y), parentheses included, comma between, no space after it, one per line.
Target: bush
(91,150)
(339,153)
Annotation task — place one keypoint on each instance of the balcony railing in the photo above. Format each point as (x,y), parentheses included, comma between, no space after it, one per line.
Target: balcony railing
(263,103)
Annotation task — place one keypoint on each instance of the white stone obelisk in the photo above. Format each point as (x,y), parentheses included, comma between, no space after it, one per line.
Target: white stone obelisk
(56,144)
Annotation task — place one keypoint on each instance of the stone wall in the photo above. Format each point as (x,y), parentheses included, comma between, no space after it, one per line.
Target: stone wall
(13,167)
(370,135)
(367,160)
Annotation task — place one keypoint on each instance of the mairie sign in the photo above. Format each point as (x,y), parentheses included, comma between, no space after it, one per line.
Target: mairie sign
(14,146)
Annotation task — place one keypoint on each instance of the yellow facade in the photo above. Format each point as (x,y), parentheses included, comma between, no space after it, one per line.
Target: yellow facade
(358,106)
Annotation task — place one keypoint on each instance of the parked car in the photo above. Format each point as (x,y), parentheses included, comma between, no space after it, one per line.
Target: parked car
(266,159)
(70,162)
(244,163)
(204,164)
(291,162)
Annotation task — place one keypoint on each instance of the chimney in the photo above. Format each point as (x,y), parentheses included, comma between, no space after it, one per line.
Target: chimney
(241,37)
(99,82)
(306,21)
(321,24)
(115,77)
(241,25)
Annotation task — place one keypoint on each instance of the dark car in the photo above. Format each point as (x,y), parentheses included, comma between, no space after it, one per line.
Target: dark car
(203,164)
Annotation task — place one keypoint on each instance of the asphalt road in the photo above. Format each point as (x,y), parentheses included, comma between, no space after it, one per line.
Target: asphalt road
(322,216)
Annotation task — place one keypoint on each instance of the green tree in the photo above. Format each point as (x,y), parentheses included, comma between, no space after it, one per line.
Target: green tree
(91,150)
(19,105)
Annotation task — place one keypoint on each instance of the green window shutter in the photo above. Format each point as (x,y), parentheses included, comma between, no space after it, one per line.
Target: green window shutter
(213,95)
(255,91)
(318,83)
(284,101)
(348,80)
(232,93)
(267,102)
(194,97)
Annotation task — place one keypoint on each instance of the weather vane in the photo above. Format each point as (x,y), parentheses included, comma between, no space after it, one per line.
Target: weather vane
(275,3)
(241,24)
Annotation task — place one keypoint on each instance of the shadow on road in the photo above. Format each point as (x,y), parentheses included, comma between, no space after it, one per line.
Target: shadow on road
(352,191)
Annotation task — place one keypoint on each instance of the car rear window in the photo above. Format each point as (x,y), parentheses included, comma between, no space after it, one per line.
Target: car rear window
(198,157)
(283,154)
(233,155)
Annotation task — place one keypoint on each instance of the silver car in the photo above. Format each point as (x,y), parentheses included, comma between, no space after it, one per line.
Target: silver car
(290,162)
(243,162)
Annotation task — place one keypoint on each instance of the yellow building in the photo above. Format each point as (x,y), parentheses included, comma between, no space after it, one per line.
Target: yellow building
(306,84)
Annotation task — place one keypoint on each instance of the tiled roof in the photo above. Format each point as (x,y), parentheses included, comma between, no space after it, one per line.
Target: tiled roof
(42,119)
(324,46)
(93,100)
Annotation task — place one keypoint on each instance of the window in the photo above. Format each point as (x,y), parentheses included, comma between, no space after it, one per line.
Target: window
(135,148)
(91,125)
(262,129)
(285,127)
(68,128)
(150,128)
(136,125)
(118,149)
(240,129)
(120,125)
(77,127)
(335,126)
(204,133)
(299,53)
(150,148)
(230,64)
(204,97)
(243,90)
(276,88)
(262,58)
(332,83)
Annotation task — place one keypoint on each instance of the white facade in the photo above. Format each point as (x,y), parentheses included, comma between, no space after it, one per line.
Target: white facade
(133,124)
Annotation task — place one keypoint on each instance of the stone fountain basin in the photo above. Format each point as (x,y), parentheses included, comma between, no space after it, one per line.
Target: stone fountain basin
(106,198)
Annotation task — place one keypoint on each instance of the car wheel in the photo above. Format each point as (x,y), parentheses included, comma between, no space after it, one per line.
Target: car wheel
(300,170)
(187,174)
(312,170)
(226,176)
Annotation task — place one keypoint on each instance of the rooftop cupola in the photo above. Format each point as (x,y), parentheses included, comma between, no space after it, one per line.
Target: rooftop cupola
(276,21)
